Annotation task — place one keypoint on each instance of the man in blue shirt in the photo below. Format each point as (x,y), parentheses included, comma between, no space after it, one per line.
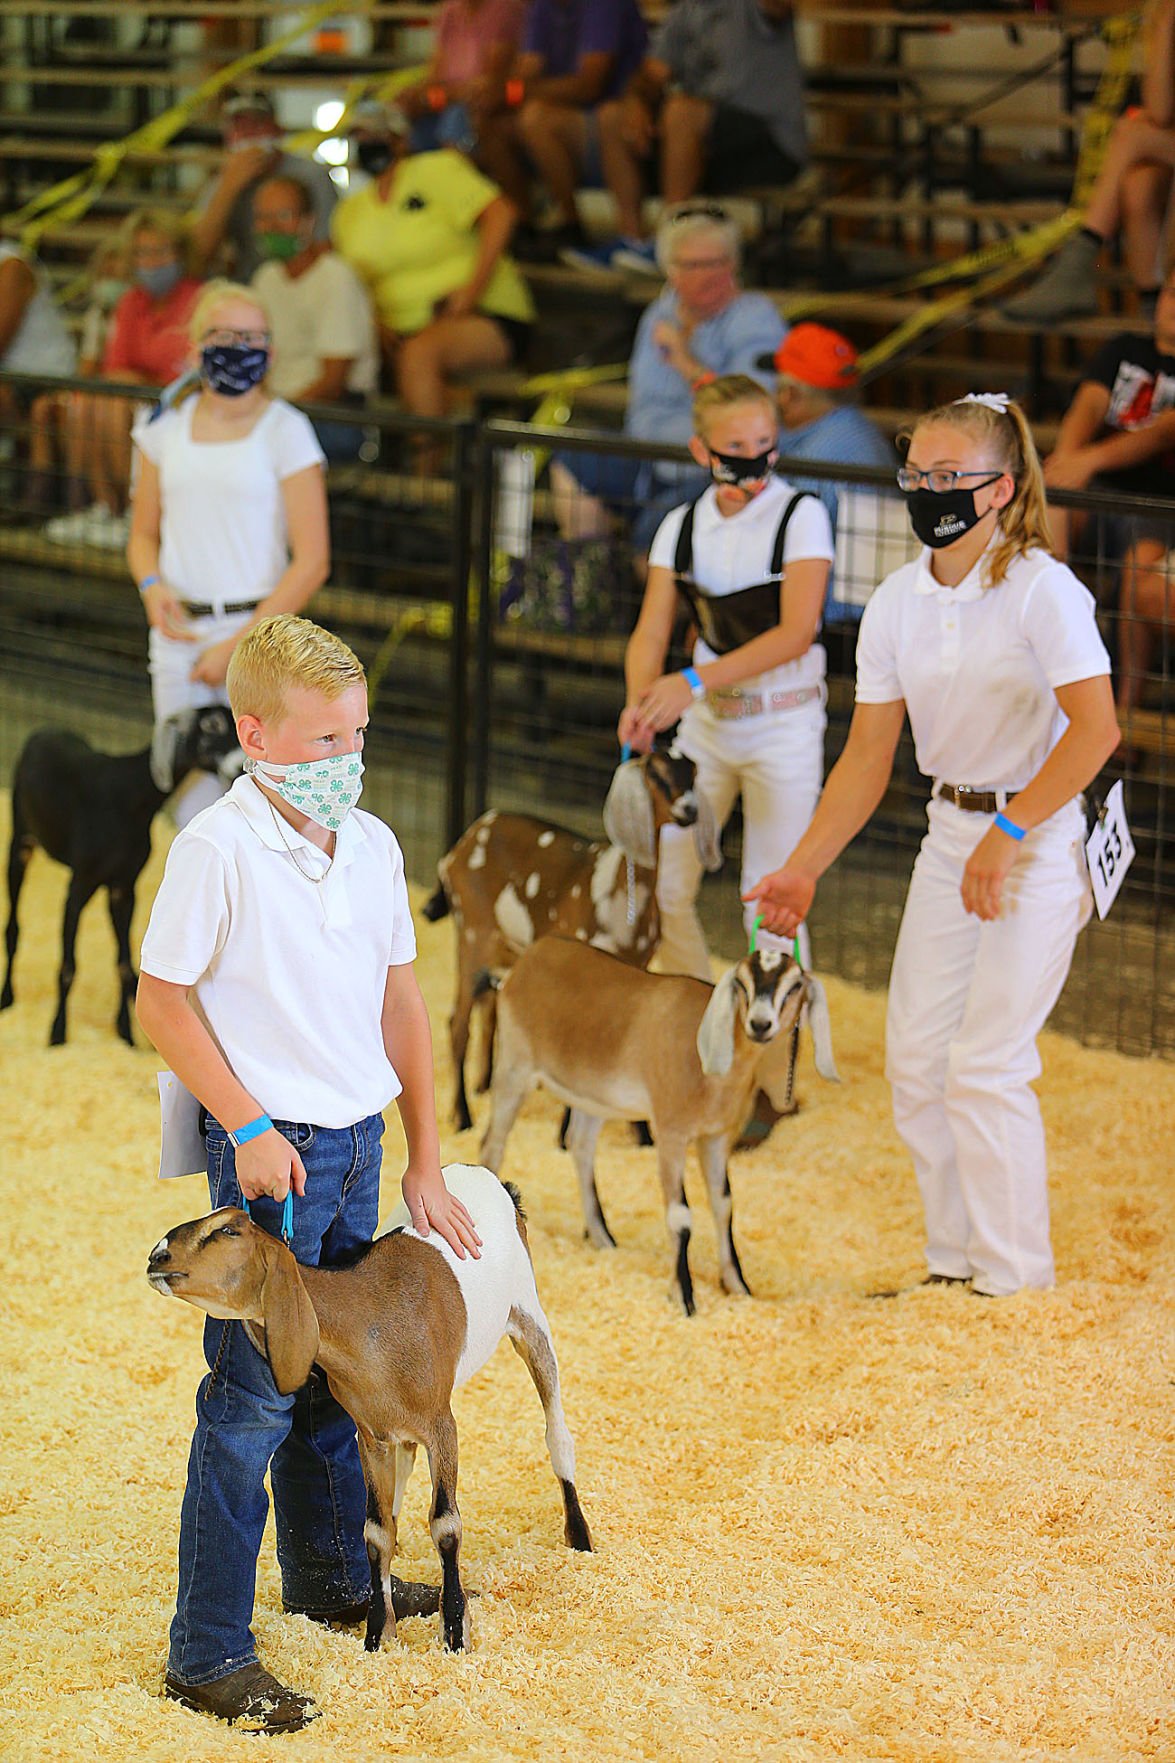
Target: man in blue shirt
(575,56)
(819,422)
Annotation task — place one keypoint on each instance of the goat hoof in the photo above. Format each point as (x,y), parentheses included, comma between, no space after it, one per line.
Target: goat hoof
(56,1036)
(456,1636)
(6,998)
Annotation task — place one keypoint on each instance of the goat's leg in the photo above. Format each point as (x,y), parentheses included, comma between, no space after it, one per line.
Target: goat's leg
(583,1131)
(713,1155)
(444,1523)
(405,1461)
(80,891)
(530,1336)
(678,1218)
(489,1022)
(19,853)
(459,1036)
(511,1088)
(391,1598)
(121,900)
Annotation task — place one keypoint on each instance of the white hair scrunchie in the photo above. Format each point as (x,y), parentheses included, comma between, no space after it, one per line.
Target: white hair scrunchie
(993,400)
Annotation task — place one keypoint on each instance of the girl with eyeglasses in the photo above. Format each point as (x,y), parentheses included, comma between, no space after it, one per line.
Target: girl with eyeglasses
(989,645)
(228,515)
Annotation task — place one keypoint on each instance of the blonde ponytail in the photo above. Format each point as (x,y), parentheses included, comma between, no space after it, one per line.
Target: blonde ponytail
(1002,428)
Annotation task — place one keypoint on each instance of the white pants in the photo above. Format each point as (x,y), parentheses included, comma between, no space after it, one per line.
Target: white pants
(967,999)
(776,761)
(173,689)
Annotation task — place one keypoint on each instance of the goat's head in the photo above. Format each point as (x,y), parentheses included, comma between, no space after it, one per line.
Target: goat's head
(766,994)
(195,740)
(659,789)
(228,1266)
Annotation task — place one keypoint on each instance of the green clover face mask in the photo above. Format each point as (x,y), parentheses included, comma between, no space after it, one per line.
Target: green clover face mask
(279,247)
(324,790)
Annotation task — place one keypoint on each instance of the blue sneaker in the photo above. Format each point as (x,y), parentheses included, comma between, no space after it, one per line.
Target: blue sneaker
(592,259)
(637,256)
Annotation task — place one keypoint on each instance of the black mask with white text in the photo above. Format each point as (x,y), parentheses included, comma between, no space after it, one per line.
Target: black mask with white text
(733,468)
(939,517)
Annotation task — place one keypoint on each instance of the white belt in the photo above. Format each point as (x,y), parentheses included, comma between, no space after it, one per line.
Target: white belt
(734,703)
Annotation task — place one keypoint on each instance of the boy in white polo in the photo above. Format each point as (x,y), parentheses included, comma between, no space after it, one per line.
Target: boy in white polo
(991,647)
(277,982)
(750,558)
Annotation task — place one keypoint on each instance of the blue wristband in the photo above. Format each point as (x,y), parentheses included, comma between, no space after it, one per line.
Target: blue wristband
(148,581)
(1009,826)
(253,1130)
(693,680)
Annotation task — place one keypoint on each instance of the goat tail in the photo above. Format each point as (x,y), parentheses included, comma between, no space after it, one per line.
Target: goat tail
(517,1199)
(486,981)
(437,905)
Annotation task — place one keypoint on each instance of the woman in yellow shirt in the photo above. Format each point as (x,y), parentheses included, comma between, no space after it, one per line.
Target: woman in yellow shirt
(428,236)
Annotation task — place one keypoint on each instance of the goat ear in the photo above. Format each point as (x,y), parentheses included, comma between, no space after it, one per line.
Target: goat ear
(820,1026)
(628,814)
(291,1327)
(715,1040)
(707,835)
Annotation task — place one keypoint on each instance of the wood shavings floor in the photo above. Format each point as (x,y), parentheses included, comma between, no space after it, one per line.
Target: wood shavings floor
(935,1528)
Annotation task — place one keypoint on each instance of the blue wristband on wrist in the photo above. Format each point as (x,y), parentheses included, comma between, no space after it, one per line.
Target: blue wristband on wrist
(693,680)
(1009,826)
(253,1130)
(148,581)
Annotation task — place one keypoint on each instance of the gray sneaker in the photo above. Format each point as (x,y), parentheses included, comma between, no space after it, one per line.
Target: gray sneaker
(1067,289)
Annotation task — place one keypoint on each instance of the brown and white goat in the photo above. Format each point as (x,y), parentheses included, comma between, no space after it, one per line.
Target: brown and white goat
(512,878)
(613,1042)
(395,1333)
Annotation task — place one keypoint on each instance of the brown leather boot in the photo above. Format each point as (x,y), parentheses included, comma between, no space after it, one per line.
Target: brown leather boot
(251,1699)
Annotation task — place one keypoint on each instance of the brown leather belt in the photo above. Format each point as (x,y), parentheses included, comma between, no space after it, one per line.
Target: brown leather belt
(735,703)
(204,608)
(974,801)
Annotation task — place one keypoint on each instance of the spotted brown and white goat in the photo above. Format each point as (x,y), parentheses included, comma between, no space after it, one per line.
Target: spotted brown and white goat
(615,1043)
(511,879)
(395,1333)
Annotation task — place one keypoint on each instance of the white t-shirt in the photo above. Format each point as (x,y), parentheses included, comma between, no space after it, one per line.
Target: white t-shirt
(324,312)
(288,974)
(223,522)
(734,552)
(978,667)
(41,343)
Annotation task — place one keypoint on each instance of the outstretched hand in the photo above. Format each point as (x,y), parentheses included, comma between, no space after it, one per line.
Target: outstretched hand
(432,1207)
(784,898)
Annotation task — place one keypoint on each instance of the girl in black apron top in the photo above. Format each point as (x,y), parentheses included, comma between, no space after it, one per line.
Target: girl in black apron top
(749,562)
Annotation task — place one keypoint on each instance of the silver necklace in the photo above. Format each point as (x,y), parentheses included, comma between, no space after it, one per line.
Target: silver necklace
(277,821)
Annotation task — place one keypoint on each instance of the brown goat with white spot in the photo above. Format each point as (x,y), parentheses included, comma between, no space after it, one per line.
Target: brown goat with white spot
(511,879)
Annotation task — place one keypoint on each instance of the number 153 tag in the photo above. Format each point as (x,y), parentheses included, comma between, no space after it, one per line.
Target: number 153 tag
(1109,851)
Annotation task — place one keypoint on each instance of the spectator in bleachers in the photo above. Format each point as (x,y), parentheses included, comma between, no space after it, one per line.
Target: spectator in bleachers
(324,343)
(1119,433)
(51,443)
(224,220)
(428,236)
(576,57)
(229,519)
(33,334)
(1131,195)
(702,325)
(722,92)
(474,47)
(146,345)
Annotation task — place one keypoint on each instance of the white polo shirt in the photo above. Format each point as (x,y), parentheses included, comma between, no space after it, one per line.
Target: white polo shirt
(288,974)
(978,667)
(732,552)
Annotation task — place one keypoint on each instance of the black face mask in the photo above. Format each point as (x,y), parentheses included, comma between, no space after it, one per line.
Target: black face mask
(374,157)
(732,468)
(939,517)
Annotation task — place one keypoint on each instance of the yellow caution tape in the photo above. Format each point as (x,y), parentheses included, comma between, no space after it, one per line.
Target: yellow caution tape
(72,196)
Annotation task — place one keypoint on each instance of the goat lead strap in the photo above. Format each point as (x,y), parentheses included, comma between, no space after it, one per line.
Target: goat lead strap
(287,1215)
(753,940)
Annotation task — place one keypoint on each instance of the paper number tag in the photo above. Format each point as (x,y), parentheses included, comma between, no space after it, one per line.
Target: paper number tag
(1109,851)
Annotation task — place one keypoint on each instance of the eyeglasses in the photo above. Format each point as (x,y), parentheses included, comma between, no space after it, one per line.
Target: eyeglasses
(939,479)
(698,211)
(227,339)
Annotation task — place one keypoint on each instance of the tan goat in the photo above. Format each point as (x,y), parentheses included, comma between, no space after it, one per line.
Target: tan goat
(613,1042)
(395,1334)
(511,879)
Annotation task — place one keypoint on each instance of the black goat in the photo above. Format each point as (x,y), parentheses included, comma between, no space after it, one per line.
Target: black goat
(93,812)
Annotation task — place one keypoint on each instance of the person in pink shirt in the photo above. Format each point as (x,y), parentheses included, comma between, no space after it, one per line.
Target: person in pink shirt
(474,45)
(146,345)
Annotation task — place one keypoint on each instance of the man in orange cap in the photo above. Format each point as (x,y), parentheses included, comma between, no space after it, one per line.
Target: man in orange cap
(815,395)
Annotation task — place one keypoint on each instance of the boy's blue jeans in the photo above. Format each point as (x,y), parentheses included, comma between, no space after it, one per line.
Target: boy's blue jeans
(243,1427)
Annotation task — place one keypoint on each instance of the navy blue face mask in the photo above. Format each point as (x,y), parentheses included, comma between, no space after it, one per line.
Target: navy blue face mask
(232,369)
(733,468)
